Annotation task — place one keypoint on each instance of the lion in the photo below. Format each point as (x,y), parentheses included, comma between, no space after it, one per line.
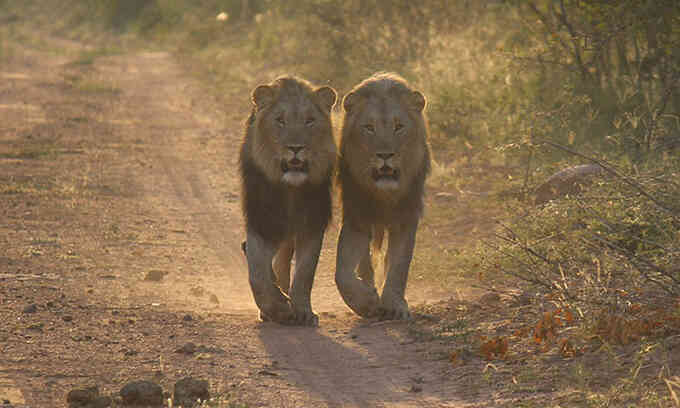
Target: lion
(384,161)
(287,162)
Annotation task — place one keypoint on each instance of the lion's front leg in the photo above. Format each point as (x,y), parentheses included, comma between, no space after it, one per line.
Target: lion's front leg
(282,264)
(307,250)
(273,304)
(352,247)
(393,305)
(366,272)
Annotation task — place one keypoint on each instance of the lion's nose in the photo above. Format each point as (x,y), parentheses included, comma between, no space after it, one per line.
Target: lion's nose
(295,148)
(384,156)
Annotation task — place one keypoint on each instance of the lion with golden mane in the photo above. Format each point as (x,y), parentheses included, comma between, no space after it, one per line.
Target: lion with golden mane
(384,161)
(287,161)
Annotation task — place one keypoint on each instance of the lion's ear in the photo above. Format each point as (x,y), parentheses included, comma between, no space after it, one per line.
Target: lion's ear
(326,97)
(417,101)
(349,101)
(263,96)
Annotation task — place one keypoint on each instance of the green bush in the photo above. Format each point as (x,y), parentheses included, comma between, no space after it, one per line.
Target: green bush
(618,237)
(120,13)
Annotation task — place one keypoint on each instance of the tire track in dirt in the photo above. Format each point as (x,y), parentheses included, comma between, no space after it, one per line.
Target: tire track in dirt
(185,182)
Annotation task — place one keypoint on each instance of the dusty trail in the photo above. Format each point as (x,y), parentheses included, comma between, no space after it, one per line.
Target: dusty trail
(172,150)
(342,364)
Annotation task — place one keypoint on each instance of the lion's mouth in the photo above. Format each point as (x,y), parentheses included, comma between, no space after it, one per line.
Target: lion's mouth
(385,173)
(295,171)
(294,165)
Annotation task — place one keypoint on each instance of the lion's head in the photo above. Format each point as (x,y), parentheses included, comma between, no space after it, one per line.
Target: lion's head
(289,133)
(384,137)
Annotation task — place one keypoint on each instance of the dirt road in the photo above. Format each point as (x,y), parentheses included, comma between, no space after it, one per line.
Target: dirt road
(119,240)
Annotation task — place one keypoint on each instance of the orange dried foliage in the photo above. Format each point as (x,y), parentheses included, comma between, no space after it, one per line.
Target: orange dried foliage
(623,330)
(545,330)
(523,332)
(454,358)
(496,348)
(567,349)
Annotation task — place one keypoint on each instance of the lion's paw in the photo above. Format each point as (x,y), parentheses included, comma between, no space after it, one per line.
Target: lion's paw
(277,310)
(362,299)
(305,317)
(393,307)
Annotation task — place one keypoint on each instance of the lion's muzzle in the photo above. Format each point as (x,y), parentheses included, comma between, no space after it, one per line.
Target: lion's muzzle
(294,165)
(385,174)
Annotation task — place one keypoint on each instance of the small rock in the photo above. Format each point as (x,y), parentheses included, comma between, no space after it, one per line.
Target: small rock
(32,308)
(188,390)
(101,402)
(67,318)
(197,291)
(189,348)
(415,388)
(36,327)
(138,393)
(214,299)
(82,397)
(490,298)
(211,350)
(187,318)
(155,275)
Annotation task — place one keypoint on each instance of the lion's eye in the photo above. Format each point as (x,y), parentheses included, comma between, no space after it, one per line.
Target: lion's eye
(369,128)
(310,121)
(398,127)
(281,121)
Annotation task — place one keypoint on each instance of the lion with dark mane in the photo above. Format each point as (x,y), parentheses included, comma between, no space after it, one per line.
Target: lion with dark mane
(287,162)
(384,160)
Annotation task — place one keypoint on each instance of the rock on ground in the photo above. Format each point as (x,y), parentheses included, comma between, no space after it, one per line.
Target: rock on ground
(143,393)
(566,181)
(188,390)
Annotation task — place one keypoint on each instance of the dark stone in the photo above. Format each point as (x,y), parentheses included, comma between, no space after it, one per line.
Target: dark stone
(82,397)
(155,275)
(101,402)
(32,308)
(189,348)
(189,390)
(567,181)
(142,393)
